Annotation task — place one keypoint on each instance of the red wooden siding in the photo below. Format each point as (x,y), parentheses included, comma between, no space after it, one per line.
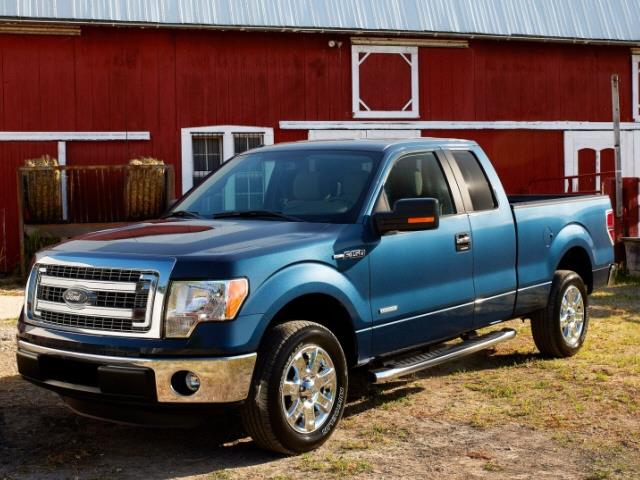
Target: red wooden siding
(385,81)
(162,80)
(12,156)
(520,157)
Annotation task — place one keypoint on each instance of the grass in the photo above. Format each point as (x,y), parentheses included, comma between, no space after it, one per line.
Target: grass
(340,465)
(590,402)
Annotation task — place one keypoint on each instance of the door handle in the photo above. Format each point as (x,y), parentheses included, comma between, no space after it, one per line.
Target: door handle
(463,242)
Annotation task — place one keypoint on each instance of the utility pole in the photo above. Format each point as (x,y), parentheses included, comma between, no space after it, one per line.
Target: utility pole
(615,104)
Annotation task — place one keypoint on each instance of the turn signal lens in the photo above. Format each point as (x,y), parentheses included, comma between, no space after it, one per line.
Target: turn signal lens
(237,291)
(421,219)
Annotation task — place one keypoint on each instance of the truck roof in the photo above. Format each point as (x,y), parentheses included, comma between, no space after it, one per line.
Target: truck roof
(381,145)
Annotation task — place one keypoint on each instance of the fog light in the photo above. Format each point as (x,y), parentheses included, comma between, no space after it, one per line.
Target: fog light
(185,383)
(192,381)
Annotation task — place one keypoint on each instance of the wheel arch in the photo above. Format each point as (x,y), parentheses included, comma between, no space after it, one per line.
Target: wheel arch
(318,293)
(577,260)
(325,310)
(573,249)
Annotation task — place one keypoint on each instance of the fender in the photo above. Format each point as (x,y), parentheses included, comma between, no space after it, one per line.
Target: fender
(572,235)
(308,278)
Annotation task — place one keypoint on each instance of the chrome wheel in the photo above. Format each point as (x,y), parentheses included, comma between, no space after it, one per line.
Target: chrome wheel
(308,389)
(572,316)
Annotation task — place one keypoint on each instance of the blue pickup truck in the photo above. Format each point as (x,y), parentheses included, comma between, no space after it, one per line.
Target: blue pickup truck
(292,266)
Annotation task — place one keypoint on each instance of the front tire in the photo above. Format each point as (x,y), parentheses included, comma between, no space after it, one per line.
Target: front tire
(560,329)
(299,388)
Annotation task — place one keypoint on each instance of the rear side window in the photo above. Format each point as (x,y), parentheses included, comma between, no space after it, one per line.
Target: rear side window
(480,191)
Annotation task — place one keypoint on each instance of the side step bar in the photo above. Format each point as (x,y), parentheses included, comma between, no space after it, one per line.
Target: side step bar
(419,362)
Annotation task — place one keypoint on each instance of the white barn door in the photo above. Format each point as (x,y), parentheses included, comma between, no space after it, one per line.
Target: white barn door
(587,152)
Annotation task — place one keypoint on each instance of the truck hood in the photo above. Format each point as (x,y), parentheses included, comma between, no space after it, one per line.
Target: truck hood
(223,239)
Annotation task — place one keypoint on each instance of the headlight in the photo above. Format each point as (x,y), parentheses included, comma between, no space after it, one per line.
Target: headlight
(192,302)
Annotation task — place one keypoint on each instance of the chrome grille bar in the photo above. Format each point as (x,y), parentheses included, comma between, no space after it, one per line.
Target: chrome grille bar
(89,284)
(43,305)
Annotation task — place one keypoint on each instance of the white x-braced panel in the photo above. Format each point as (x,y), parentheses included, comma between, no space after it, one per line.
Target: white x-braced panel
(360,108)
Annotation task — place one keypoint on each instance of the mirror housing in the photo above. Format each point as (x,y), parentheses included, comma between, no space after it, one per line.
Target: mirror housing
(409,215)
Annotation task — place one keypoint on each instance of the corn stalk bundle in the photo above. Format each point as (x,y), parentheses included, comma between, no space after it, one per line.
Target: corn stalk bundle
(42,185)
(144,188)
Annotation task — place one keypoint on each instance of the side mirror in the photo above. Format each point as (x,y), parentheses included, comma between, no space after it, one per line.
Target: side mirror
(409,215)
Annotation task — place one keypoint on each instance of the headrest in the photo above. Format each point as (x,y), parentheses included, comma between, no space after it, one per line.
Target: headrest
(404,183)
(306,186)
(352,183)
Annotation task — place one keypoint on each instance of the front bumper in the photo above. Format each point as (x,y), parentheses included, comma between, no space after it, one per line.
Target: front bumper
(222,379)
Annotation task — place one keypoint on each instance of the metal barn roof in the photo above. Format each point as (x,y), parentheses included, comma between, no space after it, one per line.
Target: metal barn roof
(581,20)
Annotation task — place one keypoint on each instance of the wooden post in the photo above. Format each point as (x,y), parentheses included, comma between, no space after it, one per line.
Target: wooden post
(20,190)
(615,103)
(170,187)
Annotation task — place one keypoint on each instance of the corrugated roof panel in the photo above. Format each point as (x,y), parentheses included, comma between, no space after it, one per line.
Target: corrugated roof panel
(608,20)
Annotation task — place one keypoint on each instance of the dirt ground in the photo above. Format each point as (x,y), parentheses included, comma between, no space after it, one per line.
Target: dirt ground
(503,413)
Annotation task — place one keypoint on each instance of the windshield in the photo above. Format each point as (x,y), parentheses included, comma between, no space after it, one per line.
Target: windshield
(309,185)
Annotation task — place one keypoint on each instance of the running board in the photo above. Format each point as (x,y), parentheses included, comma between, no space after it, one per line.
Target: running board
(419,362)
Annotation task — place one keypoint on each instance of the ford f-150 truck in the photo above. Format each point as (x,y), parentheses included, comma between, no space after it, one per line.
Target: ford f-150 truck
(291,266)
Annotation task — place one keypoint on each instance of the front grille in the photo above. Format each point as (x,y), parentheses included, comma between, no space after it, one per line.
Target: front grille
(117,299)
(103,299)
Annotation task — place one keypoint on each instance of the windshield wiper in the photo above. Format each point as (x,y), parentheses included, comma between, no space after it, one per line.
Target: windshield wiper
(182,214)
(256,214)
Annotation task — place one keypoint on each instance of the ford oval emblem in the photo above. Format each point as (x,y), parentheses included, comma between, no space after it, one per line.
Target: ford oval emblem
(78,297)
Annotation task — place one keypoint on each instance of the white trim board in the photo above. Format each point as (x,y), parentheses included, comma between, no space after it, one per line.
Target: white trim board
(635,86)
(451,125)
(358,134)
(72,136)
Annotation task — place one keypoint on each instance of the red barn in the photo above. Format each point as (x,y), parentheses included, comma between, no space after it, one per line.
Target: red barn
(193,82)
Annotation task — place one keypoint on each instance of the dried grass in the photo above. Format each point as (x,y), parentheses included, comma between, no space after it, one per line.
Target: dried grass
(144,188)
(43,200)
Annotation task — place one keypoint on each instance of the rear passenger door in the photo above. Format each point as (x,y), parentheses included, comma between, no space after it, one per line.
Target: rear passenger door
(421,282)
(493,236)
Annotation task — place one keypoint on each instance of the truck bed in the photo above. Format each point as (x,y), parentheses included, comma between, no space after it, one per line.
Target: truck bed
(547,226)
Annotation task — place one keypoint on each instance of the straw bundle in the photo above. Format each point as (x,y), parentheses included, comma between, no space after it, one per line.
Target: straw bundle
(144,188)
(42,186)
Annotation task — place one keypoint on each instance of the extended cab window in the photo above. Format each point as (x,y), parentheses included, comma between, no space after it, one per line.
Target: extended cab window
(417,176)
(480,191)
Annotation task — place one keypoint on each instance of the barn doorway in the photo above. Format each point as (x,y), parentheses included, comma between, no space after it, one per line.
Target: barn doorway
(591,153)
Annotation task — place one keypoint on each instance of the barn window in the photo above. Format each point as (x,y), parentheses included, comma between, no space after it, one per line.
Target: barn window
(204,149)
(635,69)
(384,81)
(207,154)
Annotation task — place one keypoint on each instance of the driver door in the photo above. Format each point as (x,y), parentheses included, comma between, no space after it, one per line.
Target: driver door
(422,281)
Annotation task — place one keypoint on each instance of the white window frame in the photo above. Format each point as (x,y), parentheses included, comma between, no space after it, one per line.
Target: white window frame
(410,55)
(635,82)
(228,150)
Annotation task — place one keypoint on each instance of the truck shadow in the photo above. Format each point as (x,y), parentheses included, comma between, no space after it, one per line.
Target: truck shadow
(40,436)
(364,395)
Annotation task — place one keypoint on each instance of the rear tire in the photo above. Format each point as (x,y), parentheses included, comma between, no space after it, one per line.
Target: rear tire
(560,329)
(299,388)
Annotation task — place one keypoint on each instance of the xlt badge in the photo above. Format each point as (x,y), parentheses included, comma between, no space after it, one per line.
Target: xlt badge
(350,254)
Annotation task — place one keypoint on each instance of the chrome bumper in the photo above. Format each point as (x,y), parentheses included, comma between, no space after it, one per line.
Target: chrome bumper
(222,379)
